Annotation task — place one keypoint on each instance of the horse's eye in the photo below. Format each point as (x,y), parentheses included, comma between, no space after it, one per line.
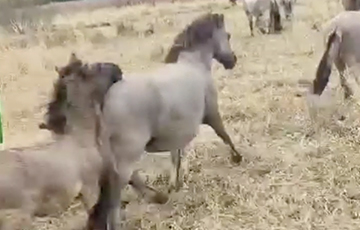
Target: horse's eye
(229,36)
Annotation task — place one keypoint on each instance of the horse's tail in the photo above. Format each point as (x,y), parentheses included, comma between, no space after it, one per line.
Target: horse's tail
(275,16)
(97,216)
(98,124)
(324,68)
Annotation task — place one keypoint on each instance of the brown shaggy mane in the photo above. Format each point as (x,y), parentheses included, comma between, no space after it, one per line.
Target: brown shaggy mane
(56,118)
(199,31)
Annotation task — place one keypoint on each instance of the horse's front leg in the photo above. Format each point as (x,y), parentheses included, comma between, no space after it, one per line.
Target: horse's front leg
(340,65)
(250,20)
(258,23)
(178,162)
(213,119)
(271,23)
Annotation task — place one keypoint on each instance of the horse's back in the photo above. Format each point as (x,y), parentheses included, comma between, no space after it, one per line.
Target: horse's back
(157,103)
(346,23)
(139,94)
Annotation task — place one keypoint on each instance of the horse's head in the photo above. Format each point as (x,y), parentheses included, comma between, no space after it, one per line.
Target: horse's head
(76,89)
(221,43)
(288,7)
(208,30)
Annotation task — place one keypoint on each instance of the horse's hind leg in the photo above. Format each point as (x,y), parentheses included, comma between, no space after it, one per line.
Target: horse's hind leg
(105,215)
(251,24)
(146,191)
(344,84)
(213,119)
(127,149)
(340,65)
(258,23)
(348,93)
(119,181)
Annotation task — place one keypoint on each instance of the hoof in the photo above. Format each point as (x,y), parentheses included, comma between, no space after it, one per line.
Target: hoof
(159,198)
(124,204)
(174,188)
(43,126)
(342,118)
(236,158)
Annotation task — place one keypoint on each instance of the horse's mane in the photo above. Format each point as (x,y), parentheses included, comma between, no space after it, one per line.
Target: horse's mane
(199,31)
(56,118)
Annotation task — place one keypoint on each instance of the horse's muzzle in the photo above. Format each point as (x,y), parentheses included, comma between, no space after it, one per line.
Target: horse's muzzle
(228,62)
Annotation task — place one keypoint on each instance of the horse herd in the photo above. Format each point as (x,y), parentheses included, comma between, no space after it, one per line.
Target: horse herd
(103,122)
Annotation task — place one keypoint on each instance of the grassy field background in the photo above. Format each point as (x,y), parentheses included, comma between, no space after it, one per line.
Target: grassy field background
(297,173)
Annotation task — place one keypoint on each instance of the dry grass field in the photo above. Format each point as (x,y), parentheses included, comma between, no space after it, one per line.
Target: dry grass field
(295,175)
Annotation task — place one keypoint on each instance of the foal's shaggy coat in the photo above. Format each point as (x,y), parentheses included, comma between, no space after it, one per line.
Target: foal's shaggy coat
(44,180)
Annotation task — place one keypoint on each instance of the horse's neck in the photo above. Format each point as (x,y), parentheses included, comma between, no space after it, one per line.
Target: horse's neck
(201,55)
(81,126)
(79,137)
(80,149)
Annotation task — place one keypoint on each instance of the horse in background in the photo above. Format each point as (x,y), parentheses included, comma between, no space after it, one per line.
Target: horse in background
(259,8)
(287,6)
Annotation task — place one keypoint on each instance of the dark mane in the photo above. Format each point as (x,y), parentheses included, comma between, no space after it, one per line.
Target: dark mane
(102,75)
(199,31)
(56,119)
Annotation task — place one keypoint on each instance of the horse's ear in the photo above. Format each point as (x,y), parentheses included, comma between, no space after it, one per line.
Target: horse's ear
(73,58)
(219,20)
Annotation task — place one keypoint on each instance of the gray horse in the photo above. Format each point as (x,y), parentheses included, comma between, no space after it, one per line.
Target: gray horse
(343,49)
(351,5)
(88,94)
(162,110)
(287,6)
(44,180)
(257,9)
